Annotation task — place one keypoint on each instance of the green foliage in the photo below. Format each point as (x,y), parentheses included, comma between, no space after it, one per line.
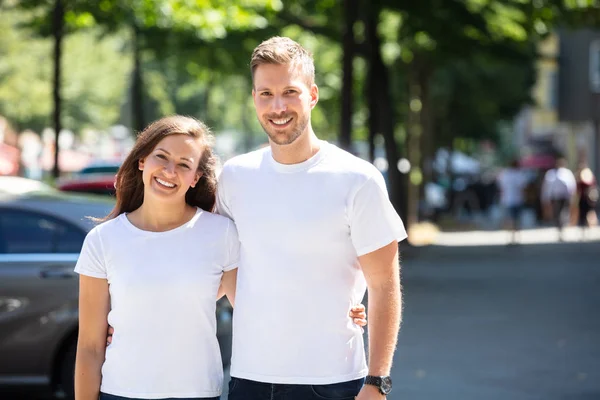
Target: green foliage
(94,78)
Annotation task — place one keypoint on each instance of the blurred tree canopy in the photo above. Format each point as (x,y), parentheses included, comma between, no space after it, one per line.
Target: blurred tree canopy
(420,75)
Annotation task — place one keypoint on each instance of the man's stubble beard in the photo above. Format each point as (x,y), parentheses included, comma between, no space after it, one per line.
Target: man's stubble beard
(288,138)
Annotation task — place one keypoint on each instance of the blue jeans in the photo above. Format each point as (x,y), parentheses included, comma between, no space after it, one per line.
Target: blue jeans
(105,396)
(243,389)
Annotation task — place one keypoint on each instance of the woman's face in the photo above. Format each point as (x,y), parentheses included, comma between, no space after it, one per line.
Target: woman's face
(171,168)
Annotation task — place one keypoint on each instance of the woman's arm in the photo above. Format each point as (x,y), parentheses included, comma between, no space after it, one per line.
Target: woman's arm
(94,305)
(227,287)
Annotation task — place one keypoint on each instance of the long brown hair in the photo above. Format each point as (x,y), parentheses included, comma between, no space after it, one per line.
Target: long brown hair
(129,183)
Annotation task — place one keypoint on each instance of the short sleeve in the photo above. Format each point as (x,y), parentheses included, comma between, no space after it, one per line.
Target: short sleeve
(374,222)
(222,200)
(91,260)
(233,247)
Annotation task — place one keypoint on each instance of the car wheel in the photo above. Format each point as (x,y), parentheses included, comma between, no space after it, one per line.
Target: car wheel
(66,385)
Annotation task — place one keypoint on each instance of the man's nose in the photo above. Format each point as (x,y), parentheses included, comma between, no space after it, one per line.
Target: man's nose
(279,105)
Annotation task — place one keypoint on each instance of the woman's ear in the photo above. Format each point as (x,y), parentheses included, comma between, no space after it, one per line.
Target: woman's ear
(197,178)
(141,164)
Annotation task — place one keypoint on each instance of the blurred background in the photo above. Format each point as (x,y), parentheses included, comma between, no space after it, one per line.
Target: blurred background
(441,95)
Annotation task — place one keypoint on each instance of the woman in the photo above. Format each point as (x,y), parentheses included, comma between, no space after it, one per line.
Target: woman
(153,271)
(587,194)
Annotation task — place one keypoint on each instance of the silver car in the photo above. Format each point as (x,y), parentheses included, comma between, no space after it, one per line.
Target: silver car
(41,234)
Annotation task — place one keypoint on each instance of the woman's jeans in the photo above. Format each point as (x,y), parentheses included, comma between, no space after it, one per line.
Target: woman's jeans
(243,389)
(105,396)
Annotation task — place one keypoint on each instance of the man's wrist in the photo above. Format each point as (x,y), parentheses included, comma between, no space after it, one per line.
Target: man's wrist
(382,383)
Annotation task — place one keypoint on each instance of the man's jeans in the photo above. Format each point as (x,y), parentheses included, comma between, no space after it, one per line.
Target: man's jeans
(105,396)
(243,389)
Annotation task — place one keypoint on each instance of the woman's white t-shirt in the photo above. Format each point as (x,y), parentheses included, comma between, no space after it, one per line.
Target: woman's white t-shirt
(163,287)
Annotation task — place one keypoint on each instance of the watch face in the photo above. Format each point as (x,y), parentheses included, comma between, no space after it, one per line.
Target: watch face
(386,385)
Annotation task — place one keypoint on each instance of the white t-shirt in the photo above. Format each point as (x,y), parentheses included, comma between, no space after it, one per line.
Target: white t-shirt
(559,183)
(512,183)
(163,289)
(302,228)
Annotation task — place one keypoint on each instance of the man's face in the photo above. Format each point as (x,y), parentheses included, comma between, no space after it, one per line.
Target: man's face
(283,100)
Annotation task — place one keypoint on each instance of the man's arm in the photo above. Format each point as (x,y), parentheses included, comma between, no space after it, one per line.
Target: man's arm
(382,273)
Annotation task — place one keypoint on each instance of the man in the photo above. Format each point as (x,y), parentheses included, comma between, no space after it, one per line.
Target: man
(316,228)
(512,182)
(558,189)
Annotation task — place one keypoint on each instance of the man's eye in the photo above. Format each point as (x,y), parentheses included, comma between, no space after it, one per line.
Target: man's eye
(265,94)
(185,166)
(291,91)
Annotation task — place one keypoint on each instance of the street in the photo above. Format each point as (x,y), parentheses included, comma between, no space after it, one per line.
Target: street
(500,322)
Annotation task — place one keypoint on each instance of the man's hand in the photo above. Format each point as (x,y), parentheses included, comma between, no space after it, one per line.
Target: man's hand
(370,392)
(358,315)
(109,334)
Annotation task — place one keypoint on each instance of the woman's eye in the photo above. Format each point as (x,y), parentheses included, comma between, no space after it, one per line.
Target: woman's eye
(161,156)
(185,166)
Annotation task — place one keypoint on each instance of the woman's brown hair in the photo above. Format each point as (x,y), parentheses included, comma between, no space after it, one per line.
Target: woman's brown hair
(129,185)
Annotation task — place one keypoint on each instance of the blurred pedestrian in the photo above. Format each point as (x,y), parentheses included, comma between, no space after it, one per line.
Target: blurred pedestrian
(558,189)
(512,182)
(316,229)
(587,198)
(153,271)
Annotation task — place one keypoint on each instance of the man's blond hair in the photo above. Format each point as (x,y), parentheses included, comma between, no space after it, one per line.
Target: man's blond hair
(281,51)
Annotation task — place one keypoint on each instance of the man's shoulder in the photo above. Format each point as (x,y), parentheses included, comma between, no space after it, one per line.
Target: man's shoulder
(348,163)
(248,160)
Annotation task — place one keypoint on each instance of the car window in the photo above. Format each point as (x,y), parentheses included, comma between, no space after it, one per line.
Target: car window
(23,232)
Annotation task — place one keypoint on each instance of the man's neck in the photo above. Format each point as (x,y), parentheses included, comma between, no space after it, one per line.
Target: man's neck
(303,148)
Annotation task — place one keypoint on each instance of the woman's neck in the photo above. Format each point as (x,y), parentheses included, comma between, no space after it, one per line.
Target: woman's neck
(155,217)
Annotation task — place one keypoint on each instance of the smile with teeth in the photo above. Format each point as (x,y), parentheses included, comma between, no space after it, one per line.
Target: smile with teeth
(281,121)
(164,183)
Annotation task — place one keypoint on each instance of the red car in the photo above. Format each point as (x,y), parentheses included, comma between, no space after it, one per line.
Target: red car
(92,183)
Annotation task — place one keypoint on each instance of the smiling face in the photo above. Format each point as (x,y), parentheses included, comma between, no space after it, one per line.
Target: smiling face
(171,168)
(283,100)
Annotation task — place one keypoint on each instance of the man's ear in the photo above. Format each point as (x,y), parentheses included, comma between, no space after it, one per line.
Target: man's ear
(197,178)
(314,95)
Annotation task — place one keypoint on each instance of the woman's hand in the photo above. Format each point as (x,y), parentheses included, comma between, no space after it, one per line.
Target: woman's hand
(359,315)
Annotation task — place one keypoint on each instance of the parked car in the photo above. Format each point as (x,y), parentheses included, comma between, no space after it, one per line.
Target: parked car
(92,183)
(41,234)
(101,167)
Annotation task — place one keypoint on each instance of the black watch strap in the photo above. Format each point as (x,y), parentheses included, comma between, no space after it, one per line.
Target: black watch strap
(383,383)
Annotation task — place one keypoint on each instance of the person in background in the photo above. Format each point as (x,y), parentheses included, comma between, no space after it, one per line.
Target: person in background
(558,190)
(512,182)
(587,198)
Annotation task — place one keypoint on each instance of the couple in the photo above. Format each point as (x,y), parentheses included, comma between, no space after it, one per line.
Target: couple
(312,229)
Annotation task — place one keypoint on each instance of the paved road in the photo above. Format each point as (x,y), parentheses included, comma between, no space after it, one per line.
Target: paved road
(498,322)
(491,322)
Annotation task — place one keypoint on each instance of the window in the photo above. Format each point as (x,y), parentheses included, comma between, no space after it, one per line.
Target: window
(26,232)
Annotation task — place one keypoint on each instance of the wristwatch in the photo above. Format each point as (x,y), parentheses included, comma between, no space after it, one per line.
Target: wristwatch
(383,383)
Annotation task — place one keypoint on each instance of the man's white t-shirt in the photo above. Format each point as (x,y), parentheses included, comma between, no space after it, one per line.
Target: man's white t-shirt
(163,289)
(301,229)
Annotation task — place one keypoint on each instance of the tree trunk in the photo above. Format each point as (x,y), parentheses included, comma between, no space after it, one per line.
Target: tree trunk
(414,132)
(350,16)
(428,126)
(58,20)
(137,95)
(379,94)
